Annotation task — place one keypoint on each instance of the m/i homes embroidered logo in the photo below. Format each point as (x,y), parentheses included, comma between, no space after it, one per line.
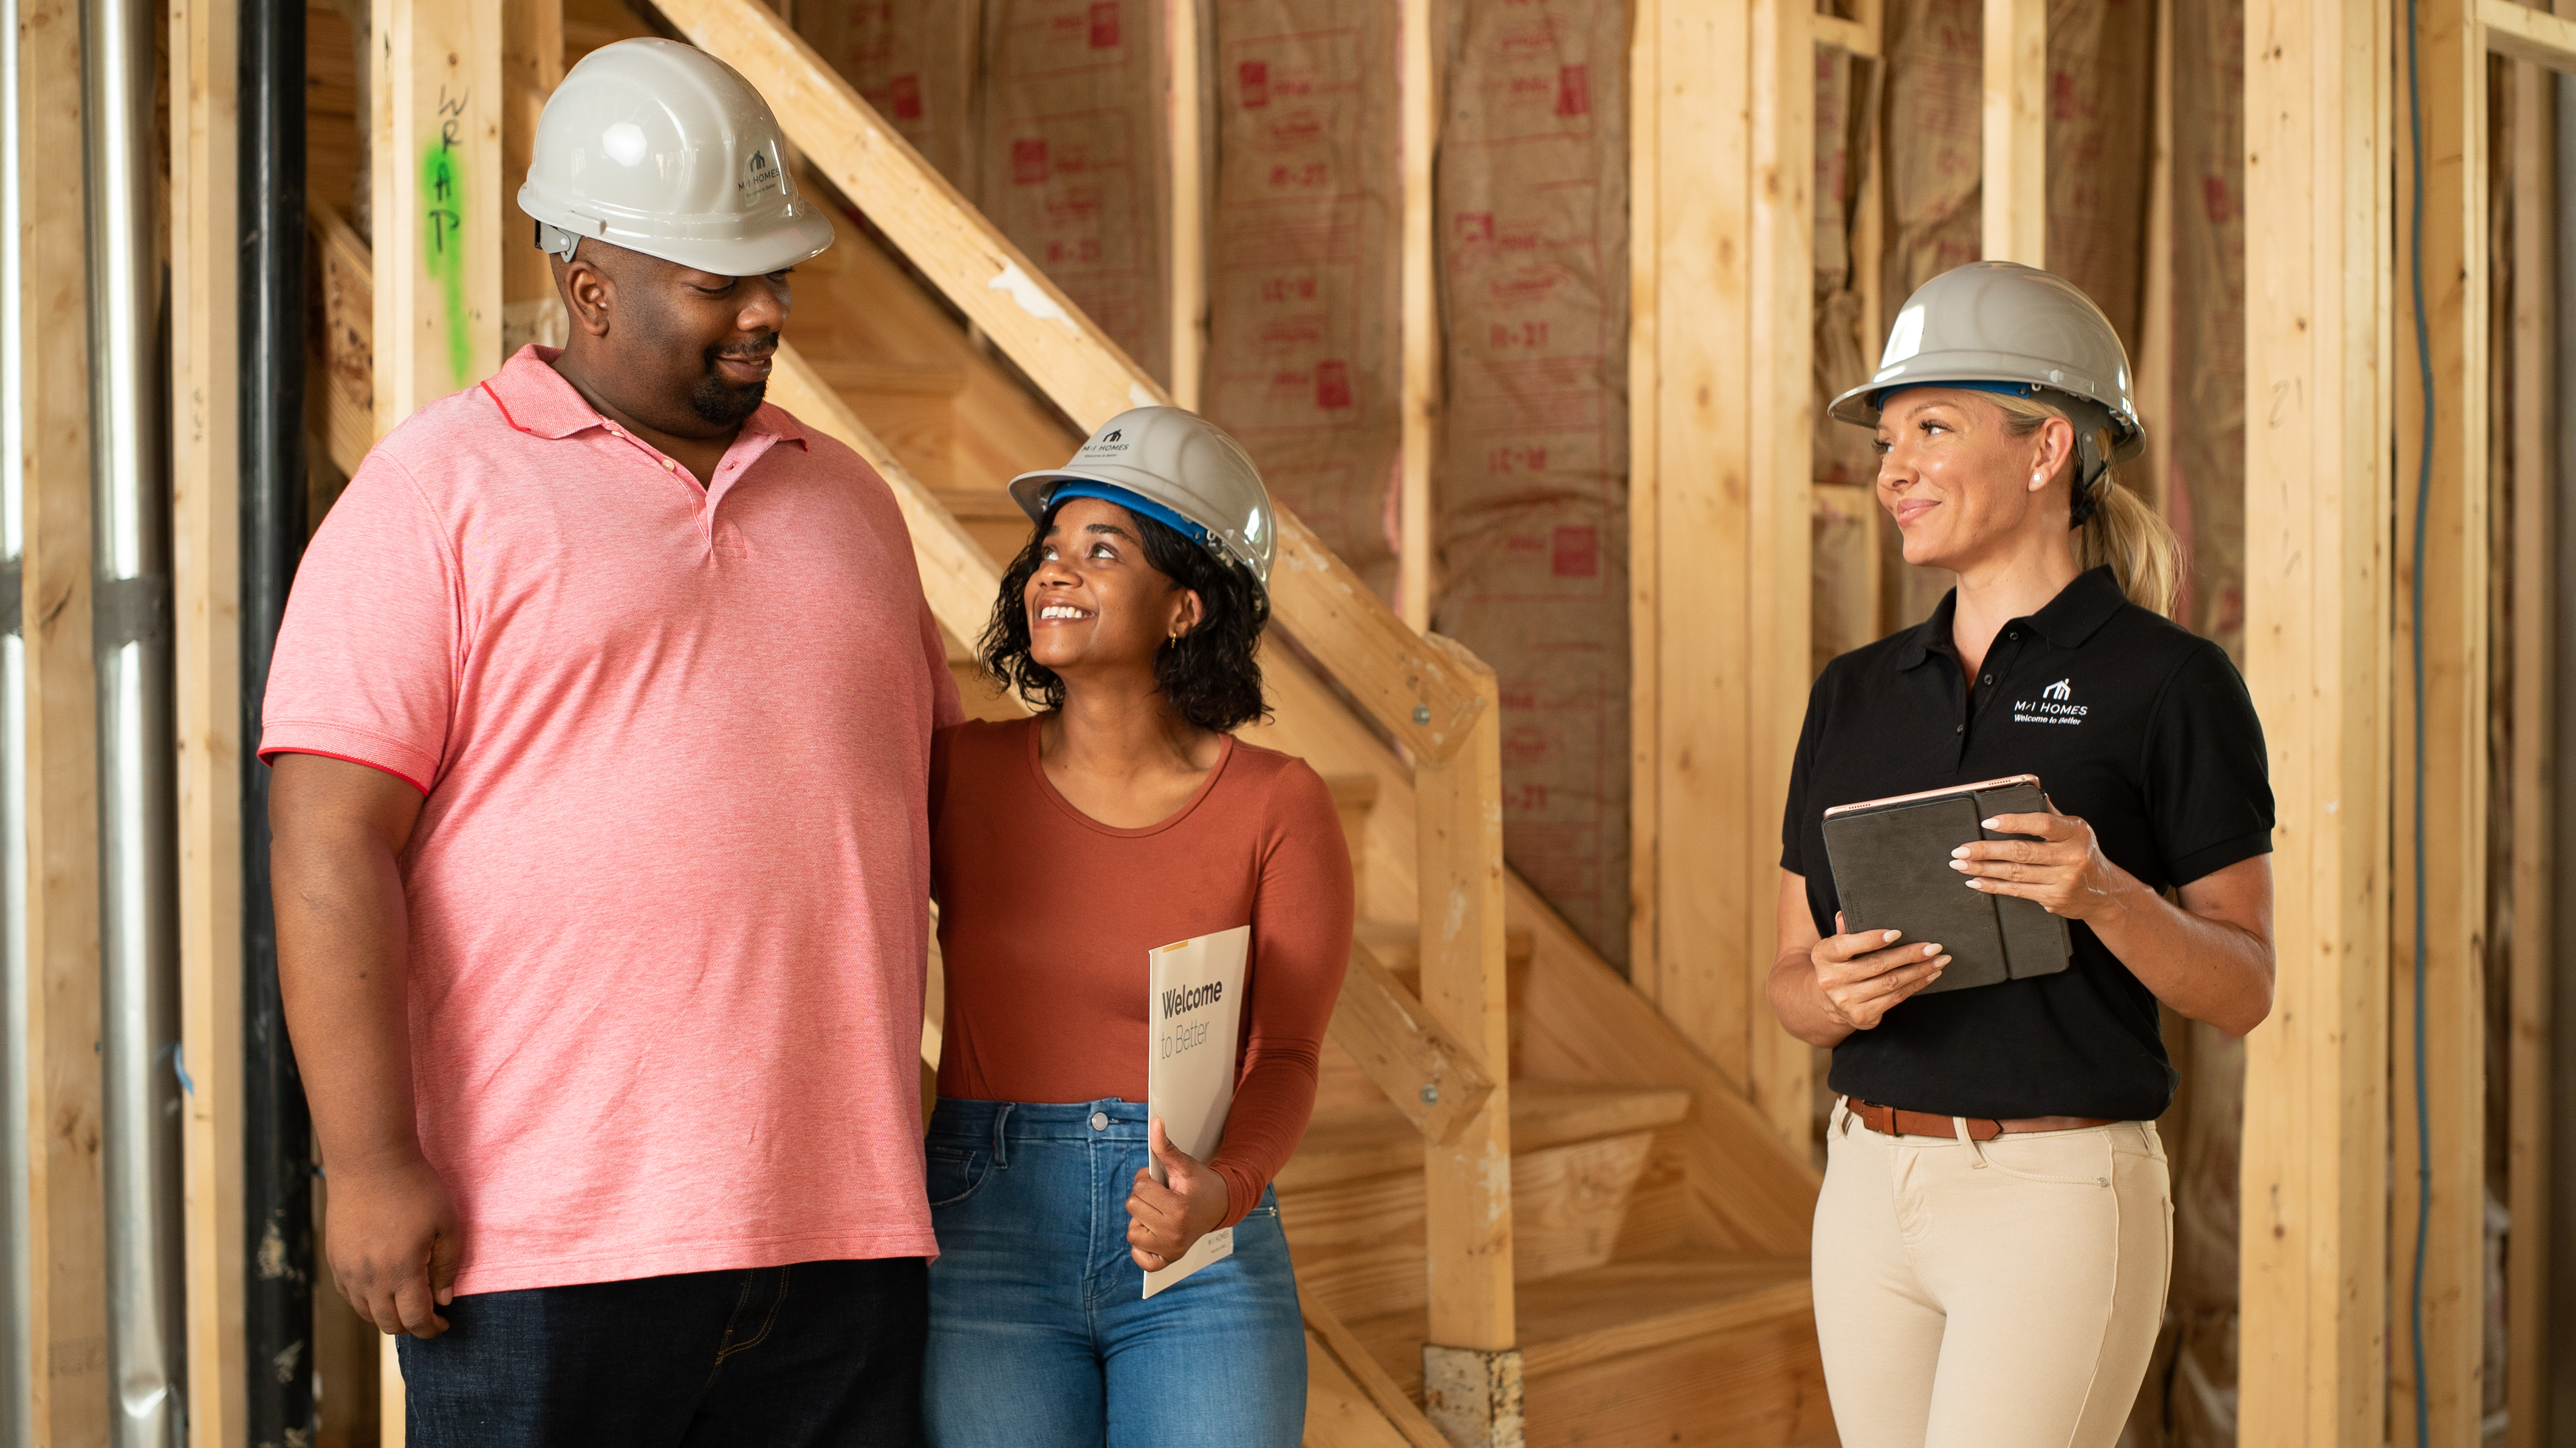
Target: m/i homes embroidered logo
(2055,705)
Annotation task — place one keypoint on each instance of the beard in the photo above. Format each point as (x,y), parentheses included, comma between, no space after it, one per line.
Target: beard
(723,403)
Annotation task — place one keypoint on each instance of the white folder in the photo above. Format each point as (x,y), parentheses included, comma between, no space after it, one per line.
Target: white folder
(1194,1006)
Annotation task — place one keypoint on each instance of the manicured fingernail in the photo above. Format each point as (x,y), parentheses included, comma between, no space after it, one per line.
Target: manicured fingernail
(1990,824)
(1958,864)
(1939,964)
(1976,884)
(1931,949)
(1960,853)
(1891,935)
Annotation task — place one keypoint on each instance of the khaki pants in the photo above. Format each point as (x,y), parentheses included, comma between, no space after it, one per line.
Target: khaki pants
(1998,1294)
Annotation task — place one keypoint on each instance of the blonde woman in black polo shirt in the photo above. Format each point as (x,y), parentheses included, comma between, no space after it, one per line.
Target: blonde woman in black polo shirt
(1995,1232)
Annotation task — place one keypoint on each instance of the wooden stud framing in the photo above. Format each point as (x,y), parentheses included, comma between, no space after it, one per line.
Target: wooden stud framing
(1186,122)
(205,580)
(66,1228)
(2452,72)
(1859,37)
(434,156)
(532,49)
(1420,46)
(1467,1179)
(1719,508)
(2315,1171)
(2155,363)
(2534,531)
(1779,1068)
(2529,32)
(2014,198)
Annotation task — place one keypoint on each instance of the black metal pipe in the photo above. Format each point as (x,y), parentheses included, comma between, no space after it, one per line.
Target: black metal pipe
(277,1130)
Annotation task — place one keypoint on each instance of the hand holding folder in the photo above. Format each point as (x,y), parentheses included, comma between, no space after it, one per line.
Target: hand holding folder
(1891,864)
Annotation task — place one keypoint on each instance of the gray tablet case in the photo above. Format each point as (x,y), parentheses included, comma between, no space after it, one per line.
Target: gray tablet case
(1892,871)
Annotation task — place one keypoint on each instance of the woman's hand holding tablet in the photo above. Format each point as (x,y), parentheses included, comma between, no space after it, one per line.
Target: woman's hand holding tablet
(1863,976)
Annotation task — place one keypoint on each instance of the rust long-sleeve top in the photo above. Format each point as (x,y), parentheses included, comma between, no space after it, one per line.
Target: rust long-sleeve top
(1046,916)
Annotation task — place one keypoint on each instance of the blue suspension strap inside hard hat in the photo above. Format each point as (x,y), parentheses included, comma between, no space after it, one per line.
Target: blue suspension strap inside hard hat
(2079,507)
(1136,503)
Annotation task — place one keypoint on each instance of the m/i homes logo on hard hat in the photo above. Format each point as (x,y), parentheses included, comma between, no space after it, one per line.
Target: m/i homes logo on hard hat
(759,178)
(1112,441)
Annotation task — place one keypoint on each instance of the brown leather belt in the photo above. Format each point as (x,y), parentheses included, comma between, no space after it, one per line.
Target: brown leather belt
(1889,1121)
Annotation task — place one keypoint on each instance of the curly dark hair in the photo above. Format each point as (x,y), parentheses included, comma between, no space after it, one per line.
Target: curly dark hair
(1211,676)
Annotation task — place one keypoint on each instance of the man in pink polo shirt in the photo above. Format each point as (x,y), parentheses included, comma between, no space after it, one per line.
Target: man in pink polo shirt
(601,719)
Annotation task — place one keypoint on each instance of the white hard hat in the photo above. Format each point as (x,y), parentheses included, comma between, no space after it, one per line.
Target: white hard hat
(1999,326)
(661,148)
(1177,468)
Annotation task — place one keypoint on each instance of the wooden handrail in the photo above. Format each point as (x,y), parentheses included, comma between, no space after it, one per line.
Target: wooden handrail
(1412,689)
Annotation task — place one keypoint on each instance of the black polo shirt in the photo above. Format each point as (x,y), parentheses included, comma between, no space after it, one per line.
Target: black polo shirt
(2136,725)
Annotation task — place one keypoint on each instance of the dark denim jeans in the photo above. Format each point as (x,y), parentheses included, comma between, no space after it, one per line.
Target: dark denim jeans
(817,1355)
(1041,1335)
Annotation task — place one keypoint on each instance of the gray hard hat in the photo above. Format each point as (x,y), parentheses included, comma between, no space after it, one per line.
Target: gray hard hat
(1999,325)
(1182,469)
(661,148)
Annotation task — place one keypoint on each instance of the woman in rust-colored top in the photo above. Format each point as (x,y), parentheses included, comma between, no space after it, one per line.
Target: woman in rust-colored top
(1065,847)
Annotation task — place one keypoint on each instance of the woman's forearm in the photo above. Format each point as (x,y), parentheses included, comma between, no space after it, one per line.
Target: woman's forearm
(1800,1002)
(2208,969)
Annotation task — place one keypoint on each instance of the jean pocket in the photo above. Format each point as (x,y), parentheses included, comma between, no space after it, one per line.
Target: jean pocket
(954,1173)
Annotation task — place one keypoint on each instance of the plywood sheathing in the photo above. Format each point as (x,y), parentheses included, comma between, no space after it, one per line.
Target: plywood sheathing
(1531,499)
(1302,291)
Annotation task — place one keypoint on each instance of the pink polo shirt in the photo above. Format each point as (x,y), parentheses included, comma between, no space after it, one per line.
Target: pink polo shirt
(668,889)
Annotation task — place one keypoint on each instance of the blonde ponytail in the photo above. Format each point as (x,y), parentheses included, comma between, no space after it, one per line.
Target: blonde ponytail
(2137,542)
(2122,530)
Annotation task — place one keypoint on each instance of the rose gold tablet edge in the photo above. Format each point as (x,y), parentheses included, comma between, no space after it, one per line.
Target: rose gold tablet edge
(1923,794)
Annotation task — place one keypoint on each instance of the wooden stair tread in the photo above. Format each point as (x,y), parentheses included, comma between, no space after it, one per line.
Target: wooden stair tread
(1616,1311)
(1349,1142)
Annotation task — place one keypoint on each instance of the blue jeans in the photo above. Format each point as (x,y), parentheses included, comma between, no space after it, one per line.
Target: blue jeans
(1040,1334)
(817,1355)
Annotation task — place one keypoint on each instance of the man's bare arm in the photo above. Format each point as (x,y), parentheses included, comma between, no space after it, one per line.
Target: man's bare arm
(343,938)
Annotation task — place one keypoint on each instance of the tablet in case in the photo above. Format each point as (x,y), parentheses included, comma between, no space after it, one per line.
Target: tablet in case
(1891,864)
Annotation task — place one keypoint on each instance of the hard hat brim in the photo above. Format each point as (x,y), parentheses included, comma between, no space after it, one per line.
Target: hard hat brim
(1860,405)
(804,237)
(1034,492)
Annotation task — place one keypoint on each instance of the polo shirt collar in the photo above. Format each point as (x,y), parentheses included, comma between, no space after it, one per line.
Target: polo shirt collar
(2077,612)
(535,399)
(2080,608)
(1931,636)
